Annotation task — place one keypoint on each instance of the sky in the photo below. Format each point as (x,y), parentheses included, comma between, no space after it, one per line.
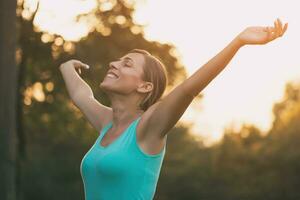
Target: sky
(245,91)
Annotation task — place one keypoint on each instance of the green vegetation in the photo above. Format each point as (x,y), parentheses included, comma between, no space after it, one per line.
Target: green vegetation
(54,135)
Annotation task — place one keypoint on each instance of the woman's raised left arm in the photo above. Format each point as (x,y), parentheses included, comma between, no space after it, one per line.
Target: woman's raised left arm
(167,112)
(252,35)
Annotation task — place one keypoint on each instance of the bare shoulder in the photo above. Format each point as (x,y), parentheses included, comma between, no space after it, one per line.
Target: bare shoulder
(149,141)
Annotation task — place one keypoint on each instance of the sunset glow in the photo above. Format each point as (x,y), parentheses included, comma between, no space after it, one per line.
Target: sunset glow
(248,87)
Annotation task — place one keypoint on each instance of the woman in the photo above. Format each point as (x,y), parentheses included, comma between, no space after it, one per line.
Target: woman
(125,160)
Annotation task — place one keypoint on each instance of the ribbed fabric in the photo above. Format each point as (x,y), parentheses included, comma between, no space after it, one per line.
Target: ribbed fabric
(121,170)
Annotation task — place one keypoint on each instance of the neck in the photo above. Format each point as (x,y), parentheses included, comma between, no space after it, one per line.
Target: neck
(125,110)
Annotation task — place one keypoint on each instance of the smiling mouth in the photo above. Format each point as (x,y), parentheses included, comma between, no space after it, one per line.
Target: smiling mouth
(112,76)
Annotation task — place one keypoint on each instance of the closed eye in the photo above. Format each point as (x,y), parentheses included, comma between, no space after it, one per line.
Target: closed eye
(126,61)
(127,64)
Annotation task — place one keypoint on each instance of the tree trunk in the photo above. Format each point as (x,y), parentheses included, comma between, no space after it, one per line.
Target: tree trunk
(8,94)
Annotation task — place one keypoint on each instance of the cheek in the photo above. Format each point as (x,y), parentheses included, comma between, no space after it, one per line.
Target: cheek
(130,78)
(128,83)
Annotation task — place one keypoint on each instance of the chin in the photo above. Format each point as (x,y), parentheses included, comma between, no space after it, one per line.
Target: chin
(109,86)
(106,87)
(103,86)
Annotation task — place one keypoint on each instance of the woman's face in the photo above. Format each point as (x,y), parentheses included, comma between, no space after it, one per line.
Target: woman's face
(128,70)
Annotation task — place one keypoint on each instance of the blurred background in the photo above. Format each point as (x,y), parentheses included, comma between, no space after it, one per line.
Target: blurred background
(238,140)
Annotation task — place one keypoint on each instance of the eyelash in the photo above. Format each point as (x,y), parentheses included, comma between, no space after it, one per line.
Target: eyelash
(127,65)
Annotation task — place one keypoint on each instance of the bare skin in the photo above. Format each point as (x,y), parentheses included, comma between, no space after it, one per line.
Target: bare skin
(125,99)
(128,90)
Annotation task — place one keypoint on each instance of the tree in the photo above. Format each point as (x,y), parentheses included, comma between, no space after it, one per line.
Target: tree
(8,91)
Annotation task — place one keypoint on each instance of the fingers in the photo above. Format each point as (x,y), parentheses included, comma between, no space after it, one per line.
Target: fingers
(86,66)
(277,30)
(82,65)
(280,30)
(284,28)
(279,26)
(79,64)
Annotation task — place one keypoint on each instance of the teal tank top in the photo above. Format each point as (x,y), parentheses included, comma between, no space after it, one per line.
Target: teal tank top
(121,170)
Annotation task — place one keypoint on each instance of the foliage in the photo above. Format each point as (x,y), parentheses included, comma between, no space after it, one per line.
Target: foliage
(245,164)
(54,135)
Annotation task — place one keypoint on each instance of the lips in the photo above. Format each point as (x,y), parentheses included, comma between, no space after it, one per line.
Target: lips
(112,74)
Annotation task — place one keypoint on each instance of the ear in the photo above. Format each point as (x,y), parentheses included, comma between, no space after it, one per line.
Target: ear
(145,87)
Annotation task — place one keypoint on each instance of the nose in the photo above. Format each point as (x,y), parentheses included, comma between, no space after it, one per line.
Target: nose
(113,65)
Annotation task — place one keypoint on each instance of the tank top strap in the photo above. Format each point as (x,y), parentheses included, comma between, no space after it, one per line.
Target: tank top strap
(136,122)
(104,130)
(132,141)
(131,131)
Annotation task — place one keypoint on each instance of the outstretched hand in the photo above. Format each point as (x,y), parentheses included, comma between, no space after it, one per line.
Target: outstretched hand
(261,34)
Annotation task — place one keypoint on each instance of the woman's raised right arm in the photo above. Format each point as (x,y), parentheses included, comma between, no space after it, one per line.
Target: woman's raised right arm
(76,86)
(82,95)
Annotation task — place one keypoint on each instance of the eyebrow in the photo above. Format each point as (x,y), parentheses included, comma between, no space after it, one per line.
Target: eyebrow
(128,58)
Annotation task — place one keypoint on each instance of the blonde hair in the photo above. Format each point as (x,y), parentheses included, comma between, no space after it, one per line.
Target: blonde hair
(154,72)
